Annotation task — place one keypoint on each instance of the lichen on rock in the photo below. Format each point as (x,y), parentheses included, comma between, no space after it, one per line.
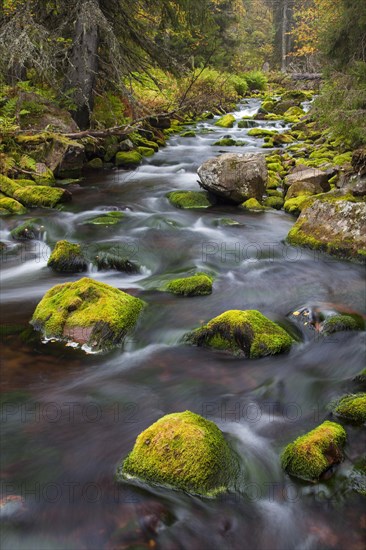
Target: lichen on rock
(312,454)
(182,451)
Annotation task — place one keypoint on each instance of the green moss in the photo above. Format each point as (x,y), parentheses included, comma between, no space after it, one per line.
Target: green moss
(44,176)
(295,205)
(143,142)
(95,164)
(276,167)
(25,182)
(128,159)
(28,230)
(274,202)
(227,121)
(110,218)
(338,323)
(225,142)
(268,145)
(182,451)
(109,259)
(352,407)
(146,151)
(282,139)
(274,193)
(67,258)
(11,206)
(261,132)
(40,195)
(244,123)
(87,312)
(268,105)
(189,199)
(312,454)
(246,333)
(8,186)
(296,95)
(197,285)
(188,133)
(252,204)
(344,158)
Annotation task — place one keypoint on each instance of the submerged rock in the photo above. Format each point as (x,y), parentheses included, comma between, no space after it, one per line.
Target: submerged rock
(312,454)
(29,230)
(189,199)
(341,322)
(106,260)
(332,225)
(247,333)
(110,218)
(235,177)
(67,258)
(182,451)
(197,285)
(352,407)
(87,312)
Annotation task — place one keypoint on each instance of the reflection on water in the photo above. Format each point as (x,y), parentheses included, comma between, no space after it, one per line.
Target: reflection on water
(68,418)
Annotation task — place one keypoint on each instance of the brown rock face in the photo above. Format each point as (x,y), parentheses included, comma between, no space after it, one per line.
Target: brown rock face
(235,177)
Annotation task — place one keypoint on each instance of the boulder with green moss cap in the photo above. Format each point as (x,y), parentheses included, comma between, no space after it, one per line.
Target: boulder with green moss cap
(352,407)
(67,258)
(295,205)
(227,121)
(247,333)
(197,285)
(182,451)
(110,218)
(11,206)
(40,195)
(341,322)
(113,259)
(87,312)
(312,454)
(252,205)
(128,159)
(274,202)
(190,199)
(29,230)
(332,225)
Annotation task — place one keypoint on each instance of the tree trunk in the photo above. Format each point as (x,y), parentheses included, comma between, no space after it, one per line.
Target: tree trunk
(284,30)
(83,68)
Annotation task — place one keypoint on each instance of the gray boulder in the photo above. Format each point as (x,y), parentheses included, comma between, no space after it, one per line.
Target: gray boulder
(235,177)
(307,174)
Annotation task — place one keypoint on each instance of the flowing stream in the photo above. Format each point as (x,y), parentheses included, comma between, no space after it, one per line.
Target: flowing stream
(69,417)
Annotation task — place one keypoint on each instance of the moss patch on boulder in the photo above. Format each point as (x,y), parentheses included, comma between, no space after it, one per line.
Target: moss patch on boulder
(11,206)
(29,230)
(253,205)
(274,202)
(67,258)
(247,333)
(312,454)
(339,323)
(295,205)
(110,218)
(261,132)
(128,159)
(352,407)
(182,451)
(87,312)
(197,285)
(40,195)
(227,121)
(189,199)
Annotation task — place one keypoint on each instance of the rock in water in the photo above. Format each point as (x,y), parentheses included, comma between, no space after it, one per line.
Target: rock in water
(334,226)
(67,258)
(312,454)
(182,451)
(235,177)
(87,312)
(197,285)
(352,407)
(246,333)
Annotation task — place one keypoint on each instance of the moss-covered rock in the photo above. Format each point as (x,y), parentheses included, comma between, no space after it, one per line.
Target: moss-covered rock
(189,199)
(295,205)
(87,312)
(245,123)
(253,205)
(128,159)
(188,133)
(352,407)
(110,218)
(43,175)
(8,186)
(29,230)
(344,158)
(225,142)
(40,195)
(146,151)
(227,121)
(312,454)
(341,322)
(247,333)
(294,95)
(11,206)
(274,202)
(261,132)
(67,258)
(95,164)
(282,139)
(112,259)
(182,451)
(197,285)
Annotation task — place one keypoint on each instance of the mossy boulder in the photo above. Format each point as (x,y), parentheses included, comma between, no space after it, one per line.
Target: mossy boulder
(87,312)
(182,451)
(341,322)
(43,175)
(110,218)
(301,188)
(40,195)
(29,230)
(261,132)
(8,186)
(344,158)
(332,225)
(296,204)
(197,285)
(225,142)
(227,121)
(294,95)
(244,123)
(189,199)
(253,205)
(67,258)
(146,151)
(188,133)
(352,407)
(274,202)
(312,454)
(11,206)
(282,139)
(128,159)
(247,333)
(95,164)
(113,259)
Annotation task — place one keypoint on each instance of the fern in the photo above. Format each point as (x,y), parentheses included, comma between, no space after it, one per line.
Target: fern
(7,163)
(27,163)
(9,109)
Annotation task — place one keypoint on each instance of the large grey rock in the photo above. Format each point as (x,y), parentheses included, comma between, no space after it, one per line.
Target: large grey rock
(333,225)
(235,177)
(303,188)
(309,175)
